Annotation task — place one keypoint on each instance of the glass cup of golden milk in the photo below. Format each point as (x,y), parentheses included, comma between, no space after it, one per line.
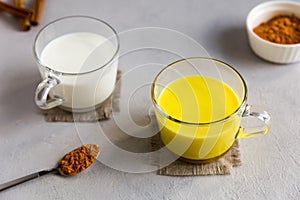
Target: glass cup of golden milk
(199,104)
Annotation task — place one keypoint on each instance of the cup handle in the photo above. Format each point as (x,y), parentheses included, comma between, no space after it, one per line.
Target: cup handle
(42,98)
(251,111)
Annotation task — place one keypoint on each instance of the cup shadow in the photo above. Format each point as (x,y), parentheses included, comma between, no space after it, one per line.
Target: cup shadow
(233,43)
(17,99)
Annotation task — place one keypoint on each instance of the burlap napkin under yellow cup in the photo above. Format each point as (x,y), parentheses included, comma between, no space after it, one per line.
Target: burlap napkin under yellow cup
(219,166)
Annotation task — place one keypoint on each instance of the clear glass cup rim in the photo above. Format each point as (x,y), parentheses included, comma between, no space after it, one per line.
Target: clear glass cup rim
(241,107)
(115,34)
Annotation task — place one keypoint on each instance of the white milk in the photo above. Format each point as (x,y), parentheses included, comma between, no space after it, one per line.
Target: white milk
(81,53)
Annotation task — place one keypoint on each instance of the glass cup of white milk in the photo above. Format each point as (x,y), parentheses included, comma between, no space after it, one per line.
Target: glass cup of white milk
(77,58)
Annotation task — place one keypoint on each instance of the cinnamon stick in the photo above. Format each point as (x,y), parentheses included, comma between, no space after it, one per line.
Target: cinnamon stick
(38,9)
(19,12)
(25,22)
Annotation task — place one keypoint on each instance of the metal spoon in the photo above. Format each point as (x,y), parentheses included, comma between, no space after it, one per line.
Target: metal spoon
(93,152)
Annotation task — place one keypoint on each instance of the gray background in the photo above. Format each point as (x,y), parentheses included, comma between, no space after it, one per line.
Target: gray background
(270,168)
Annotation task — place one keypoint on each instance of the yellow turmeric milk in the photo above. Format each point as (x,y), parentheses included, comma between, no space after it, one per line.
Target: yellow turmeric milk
(198,99)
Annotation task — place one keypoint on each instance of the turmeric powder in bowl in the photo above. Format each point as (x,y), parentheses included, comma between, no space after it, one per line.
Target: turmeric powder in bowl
(281,29)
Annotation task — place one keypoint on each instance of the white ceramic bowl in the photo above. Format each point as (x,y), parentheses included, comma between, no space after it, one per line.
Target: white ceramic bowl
(278,53)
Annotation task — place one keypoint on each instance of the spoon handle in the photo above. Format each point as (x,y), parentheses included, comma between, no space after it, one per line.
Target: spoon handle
(23,179)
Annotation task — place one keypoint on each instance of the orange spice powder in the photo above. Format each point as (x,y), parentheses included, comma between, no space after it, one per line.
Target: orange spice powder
(281,29)
(79,159)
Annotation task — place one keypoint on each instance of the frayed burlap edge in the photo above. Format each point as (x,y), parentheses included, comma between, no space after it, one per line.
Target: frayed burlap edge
(103,112)
(220,166)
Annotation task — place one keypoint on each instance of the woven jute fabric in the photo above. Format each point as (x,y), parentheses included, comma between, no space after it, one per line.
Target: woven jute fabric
(219,166)
(102,112)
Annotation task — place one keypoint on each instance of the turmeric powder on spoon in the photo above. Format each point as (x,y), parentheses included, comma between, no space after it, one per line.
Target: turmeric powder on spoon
(78,160)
